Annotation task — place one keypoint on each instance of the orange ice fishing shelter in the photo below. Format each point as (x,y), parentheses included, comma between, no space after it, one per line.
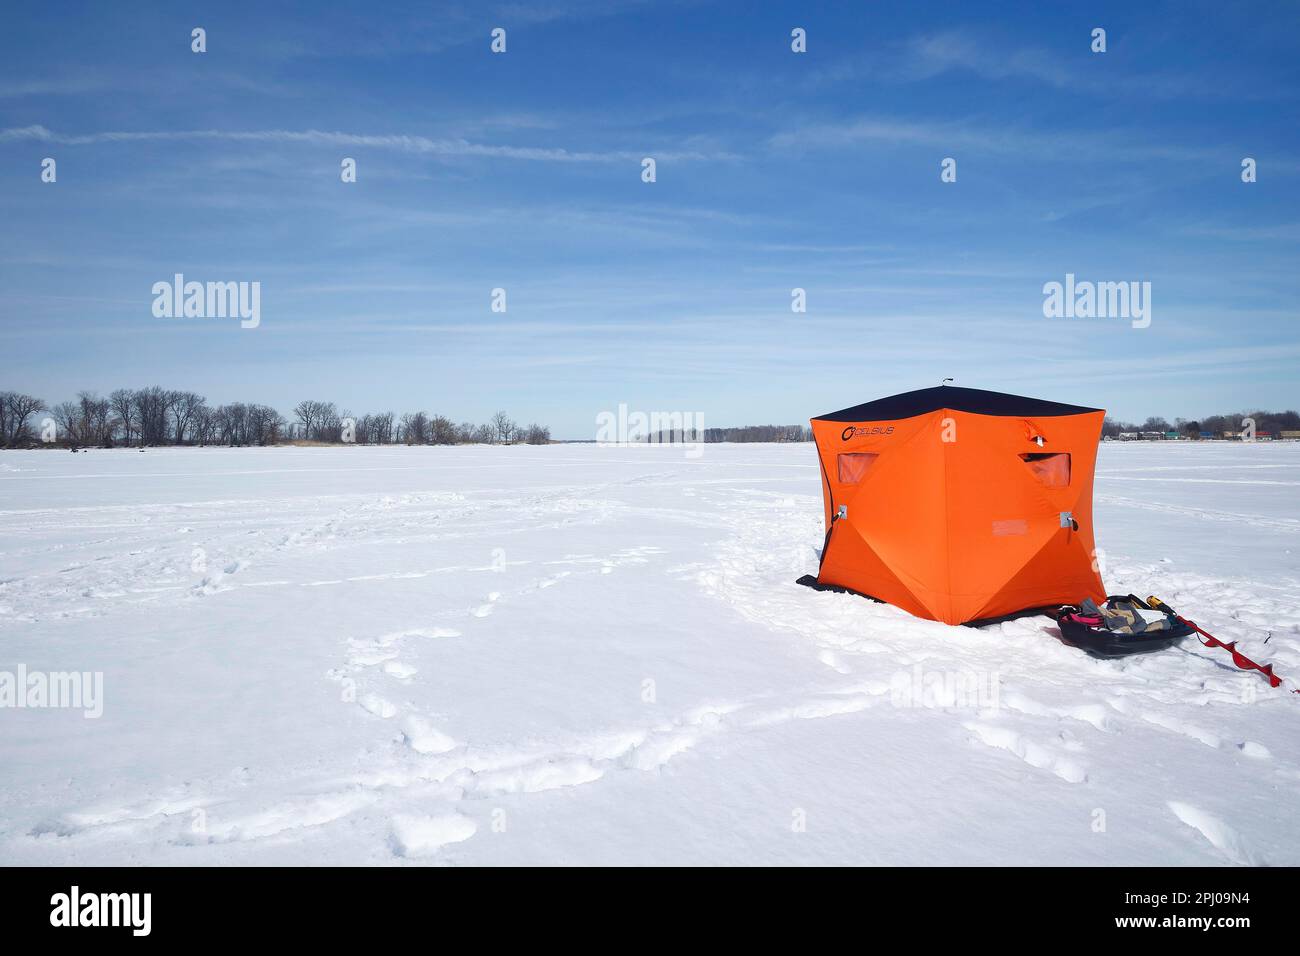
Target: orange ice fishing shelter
(958,504)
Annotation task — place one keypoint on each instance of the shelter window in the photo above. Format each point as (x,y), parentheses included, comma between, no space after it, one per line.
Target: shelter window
(1051,469)
(854,466)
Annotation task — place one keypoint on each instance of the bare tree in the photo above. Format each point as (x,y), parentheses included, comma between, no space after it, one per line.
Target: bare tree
(184,407)
(415,428)
(442,431)
(206,425)
(67,415)
(122,403)
(364,433)
(264,425)
(237,423)
(15,409)
(95,423)
(503,428)
(313,416)
(151,409)
(374,429)
(329,424)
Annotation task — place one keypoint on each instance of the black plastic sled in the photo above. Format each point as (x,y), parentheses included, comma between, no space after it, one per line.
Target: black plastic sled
(1100,641)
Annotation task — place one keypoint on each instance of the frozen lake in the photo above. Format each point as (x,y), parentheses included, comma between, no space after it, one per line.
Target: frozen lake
(572,654)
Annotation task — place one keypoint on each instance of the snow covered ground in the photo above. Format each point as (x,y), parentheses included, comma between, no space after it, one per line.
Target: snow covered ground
(571,654)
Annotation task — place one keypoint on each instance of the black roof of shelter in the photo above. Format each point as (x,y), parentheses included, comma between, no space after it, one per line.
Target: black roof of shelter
(973,400)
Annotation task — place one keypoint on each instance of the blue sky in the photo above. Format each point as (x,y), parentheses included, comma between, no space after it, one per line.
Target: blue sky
(775,170)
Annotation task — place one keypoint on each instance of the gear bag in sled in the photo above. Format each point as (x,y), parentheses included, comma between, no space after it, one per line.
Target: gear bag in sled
(1121,625)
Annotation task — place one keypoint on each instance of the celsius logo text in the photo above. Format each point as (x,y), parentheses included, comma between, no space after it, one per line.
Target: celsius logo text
(858,431)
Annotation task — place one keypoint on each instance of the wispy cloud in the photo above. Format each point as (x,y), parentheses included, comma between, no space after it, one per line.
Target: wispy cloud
(1000,59)
(423,145)
(436,28)
(145,81)
(1280,232)
(66,87)
(942,52)
(997,136)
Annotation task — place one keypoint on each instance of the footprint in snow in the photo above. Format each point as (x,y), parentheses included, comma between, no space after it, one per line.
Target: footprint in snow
(1182,727)
(374,704)
(547,773)
(834,662)
(424,738)
(394,636)
(1220,836)
(419,836)
(293,814)
(399,670)
(1094,714)
(368,654)
(1034,754)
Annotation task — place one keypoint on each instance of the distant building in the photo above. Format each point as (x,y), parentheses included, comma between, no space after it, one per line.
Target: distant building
(1290,436)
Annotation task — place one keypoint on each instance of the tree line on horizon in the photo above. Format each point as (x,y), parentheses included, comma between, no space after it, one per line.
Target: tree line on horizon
(156,416)
(1213,425)
(744,433)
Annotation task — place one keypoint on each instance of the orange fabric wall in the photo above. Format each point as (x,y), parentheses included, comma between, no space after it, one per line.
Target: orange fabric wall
(951,523)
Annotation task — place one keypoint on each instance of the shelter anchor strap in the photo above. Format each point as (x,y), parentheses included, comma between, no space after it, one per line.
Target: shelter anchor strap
(1238,658)
(841,512)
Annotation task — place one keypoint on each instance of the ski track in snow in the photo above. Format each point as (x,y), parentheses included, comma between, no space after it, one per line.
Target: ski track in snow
(1220,835)
(1272,523)
(1058,719)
